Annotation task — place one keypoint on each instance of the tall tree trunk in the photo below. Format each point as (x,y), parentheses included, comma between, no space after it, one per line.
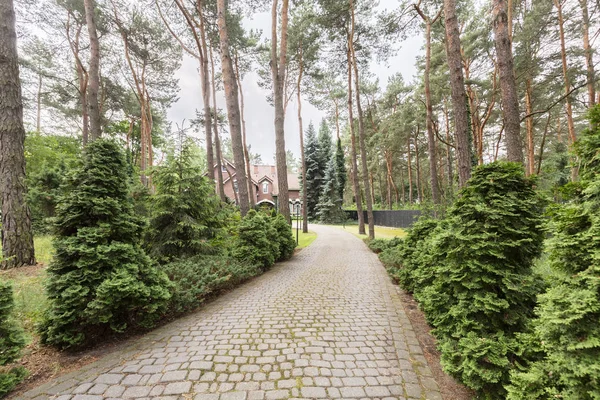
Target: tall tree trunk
(353,155)
(278,69)
(459,98)
(541,157)
(435,187)
(418,162)
(82,78)
(508,85)
(529,124)
(361,131)
(589,62)
(94,71)
(17,236)
(301,129)
(410,179)
(246,154)
(233,108)
(449,152)
(220,185)
(210,159)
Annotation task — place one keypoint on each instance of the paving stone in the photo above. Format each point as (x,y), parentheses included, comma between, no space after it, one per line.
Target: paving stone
(327,324)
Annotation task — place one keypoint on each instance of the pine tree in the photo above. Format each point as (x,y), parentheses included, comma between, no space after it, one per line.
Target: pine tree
(12,341)
(314,173)
(569,312)
(329,208)
(100,279)
(340,170)
(185,209)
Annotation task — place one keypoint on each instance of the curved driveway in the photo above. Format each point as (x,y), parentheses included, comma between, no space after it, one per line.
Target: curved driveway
(327,324)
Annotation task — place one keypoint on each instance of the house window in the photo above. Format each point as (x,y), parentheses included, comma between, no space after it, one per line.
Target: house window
(223,168)
(235,186)
(265,187)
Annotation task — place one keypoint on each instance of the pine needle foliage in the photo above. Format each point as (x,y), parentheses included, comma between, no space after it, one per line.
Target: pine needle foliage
(100,279)
(285,239)
(329,208)
(314,173)
(256,242)
(340,169)
(568,324)
(484,290)
(185,214)
(12,340)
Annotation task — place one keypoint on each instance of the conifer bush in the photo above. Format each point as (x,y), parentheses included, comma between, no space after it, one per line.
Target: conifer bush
(484,290)
(12,340)
(256,242)
(285,239)
(196,278)
(185,212)
(100,280)
(568,324)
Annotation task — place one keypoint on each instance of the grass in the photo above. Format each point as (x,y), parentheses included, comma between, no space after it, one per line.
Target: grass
(381,232)
(304,239)
(28,285)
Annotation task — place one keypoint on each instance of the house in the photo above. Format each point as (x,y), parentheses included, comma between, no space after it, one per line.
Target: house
(265,189)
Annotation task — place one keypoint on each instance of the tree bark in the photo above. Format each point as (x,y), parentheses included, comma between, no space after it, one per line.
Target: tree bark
(449,153)
(17,236)
(278,69)
(418,162)
(361,131)
(233,108)
(355,183)
(589,62)
(459,98)
(529,125)
(203,50)
(94,72)
(435,187)
(301,129)
(220,186)
(508,85)
(82,78)
(410,180)
(246,154)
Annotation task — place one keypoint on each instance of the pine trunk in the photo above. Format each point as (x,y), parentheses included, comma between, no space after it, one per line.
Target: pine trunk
(587,48)
(220,187)
(94,72)
(17,236)
(303,159)
(278,69)
(508,85)
(459,98)
(233,108)
(244,142)
(410,179)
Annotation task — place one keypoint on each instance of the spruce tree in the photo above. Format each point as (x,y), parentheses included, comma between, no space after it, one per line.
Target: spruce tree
(325,145)
(340,169)
(100,279)
(185,209)
(568,327)
(314,172)
(329,208)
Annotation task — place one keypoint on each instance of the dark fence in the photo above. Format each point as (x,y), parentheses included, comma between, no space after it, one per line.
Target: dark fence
(393,218)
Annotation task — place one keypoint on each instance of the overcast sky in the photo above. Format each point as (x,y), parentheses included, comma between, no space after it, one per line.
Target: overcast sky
(259,114)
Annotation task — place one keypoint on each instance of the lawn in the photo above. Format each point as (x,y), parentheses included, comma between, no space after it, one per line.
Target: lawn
(304,239)
(381,232)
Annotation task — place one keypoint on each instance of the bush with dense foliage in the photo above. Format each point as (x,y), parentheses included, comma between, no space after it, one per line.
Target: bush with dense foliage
(285,239)
(568,324)
(185,212)
(484,290)
(12,341)
(256,242)
(100,279)
(196,278)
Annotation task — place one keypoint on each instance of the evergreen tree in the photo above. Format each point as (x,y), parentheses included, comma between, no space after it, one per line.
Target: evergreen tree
(185,209)
(484,291)
(314,173)
(568,328)
(329,208)
(100,279)
(340,170)
(12,341)
(325,145)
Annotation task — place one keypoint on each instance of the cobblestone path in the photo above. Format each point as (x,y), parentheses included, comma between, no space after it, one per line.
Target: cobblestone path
(326,325)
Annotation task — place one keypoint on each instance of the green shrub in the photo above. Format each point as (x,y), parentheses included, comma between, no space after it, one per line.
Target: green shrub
(285,239)
(483,289)
(379,245)
(185,212)
(256,242)
(12,340)
(196,278)
(100,279)
(568,325)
